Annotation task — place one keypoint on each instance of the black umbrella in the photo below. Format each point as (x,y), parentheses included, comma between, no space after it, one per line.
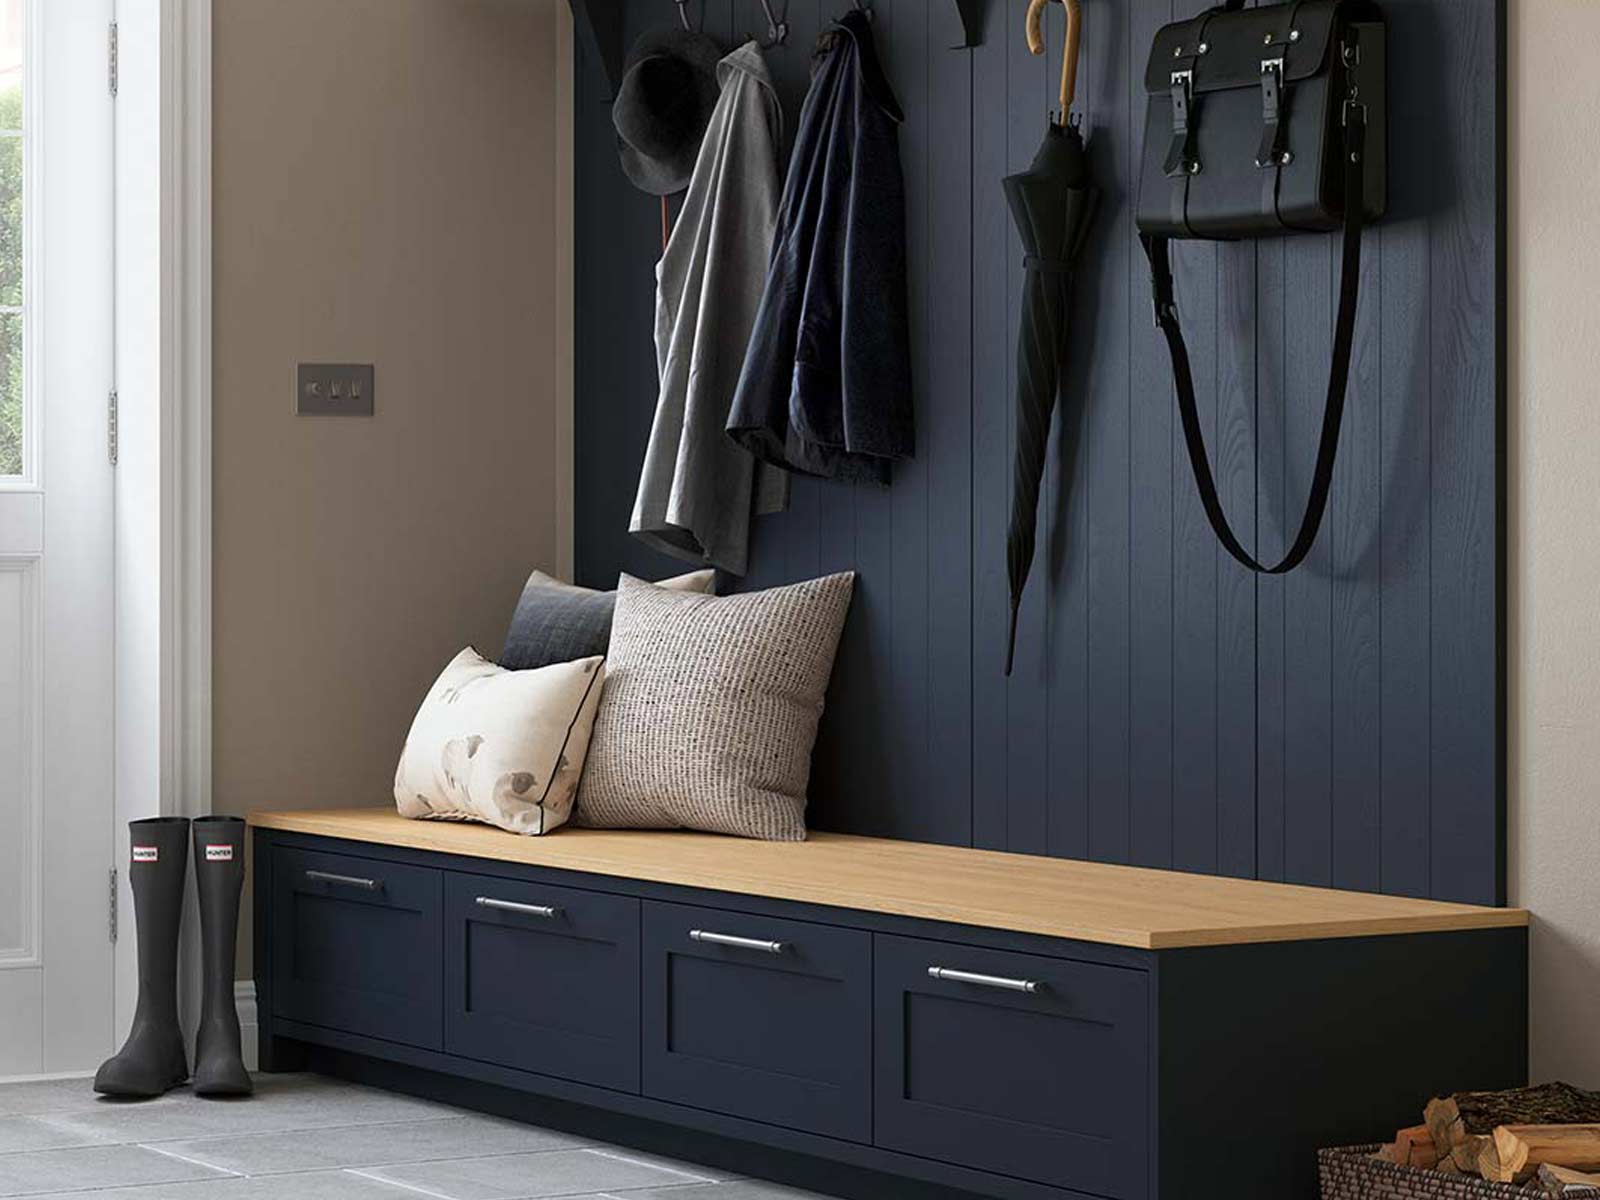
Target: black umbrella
(1052,203)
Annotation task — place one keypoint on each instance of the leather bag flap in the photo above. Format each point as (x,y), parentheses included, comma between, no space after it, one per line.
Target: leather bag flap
(1237,42)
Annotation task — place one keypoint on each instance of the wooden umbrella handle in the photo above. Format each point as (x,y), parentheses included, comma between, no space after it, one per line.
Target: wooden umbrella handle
(1069,57)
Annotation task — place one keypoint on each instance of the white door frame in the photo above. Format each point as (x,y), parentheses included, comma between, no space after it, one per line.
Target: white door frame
(164,476)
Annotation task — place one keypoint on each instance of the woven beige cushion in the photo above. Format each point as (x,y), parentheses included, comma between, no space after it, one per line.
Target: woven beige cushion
(711,709)
(502,747)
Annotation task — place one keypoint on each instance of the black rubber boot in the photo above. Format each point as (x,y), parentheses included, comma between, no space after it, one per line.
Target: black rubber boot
(152,1060)
(219,878)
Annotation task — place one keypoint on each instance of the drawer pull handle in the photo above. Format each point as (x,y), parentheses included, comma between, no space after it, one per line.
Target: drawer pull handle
(737,943)
(950,975)
(366,885)
(511,906)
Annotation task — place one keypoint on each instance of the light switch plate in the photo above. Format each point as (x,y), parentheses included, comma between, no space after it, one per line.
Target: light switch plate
(334,390)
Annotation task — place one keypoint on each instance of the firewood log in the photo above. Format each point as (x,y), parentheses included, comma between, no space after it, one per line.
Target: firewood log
(1515,1152)
(1563,1183)
(1413,1147)
(1461,1124)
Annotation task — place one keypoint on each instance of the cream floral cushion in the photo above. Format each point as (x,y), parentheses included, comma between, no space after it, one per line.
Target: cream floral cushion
(502,747)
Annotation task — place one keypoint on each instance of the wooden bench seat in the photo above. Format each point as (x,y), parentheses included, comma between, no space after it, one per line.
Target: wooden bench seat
(1090,902)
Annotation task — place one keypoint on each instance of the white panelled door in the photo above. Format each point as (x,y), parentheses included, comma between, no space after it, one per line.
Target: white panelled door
(56,596)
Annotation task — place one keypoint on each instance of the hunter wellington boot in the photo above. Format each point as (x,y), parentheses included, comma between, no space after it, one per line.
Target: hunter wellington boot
(152,1060)
(219,878)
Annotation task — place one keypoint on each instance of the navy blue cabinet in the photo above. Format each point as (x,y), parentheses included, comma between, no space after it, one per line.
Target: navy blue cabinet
(543,978)
(770,1019)
(834,1048)
(360,946)
(1029,1066)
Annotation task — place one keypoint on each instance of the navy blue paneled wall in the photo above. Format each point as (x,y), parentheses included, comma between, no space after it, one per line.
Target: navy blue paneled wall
(1341,726)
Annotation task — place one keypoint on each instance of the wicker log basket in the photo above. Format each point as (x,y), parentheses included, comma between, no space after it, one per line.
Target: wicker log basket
(1352,1173)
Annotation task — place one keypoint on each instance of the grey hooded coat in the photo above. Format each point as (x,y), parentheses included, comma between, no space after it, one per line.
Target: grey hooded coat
(699,489)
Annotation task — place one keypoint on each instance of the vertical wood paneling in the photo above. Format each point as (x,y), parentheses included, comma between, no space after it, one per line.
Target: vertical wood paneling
(1465,774)
(1353,539)
(1155,459)
(1405,417)
(1167,708)
(944,809)
(1102,497)
(993,372)
(1273,539)
(1235,455)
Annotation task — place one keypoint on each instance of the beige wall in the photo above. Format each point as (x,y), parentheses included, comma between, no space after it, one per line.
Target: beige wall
(1555,530)
(385,191)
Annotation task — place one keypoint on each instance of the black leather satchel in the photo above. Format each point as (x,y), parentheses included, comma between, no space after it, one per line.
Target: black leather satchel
(1263,122)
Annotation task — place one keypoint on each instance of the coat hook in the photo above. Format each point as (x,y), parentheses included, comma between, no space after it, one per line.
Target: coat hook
(862,7)
(777,27)
(683,14)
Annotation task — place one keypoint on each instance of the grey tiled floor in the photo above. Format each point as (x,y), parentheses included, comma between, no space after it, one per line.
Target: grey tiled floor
(302,1137)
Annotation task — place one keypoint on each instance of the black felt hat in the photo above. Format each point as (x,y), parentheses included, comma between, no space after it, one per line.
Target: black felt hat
(669,88)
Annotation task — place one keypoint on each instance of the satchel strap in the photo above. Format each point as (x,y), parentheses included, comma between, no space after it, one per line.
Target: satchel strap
(1166,315)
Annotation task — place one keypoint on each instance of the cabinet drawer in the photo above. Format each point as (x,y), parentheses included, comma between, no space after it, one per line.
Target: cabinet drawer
(1014,1063)
(543,978)
(356,945)
(765,1019)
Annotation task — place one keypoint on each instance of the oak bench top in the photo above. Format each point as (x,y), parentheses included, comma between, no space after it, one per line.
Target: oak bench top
(1092,902)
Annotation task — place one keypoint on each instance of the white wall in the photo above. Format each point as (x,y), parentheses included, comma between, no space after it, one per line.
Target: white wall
(1555,524)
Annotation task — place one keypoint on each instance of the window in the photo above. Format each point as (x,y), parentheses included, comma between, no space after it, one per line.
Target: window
(13,409)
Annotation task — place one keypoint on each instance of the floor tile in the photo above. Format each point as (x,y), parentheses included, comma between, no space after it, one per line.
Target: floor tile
(45,1096)
(533,1176)
(277,1106)
(679,1165)
(19,1134)
(372,1145)
(318,1185)
(92,1167)
(738,1189)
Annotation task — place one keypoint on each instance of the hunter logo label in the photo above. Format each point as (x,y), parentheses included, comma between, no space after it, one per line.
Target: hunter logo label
(219,853)
(146,854)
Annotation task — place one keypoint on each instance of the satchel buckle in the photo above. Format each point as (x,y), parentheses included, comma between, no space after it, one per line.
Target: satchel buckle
(1180,154)
(1271,152)
(1344,111)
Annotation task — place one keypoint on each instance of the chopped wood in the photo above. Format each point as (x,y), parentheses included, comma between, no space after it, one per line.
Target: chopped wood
(1563,1183)
(1515,1152)
(1461,1124)
(1413,1147)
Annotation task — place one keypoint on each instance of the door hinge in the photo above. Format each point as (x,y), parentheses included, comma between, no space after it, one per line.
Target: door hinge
(111,911)
(111,58)
(111,427)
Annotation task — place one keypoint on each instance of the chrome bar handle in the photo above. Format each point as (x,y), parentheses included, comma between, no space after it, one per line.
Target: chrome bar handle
(511,906)
(737,943)
(366,885)
(950,975)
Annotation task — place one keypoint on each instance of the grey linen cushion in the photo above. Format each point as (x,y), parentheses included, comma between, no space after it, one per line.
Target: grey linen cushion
(711,709)
(556,622)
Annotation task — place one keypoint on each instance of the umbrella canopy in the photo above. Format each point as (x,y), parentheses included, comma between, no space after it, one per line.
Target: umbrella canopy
(1053,204)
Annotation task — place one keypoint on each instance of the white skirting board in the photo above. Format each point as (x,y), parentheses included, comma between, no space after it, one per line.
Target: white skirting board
(244,999)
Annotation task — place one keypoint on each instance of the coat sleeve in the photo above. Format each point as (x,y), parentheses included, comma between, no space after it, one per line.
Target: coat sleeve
(876,349)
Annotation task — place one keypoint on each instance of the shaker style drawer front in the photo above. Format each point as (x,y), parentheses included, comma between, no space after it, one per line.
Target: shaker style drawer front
(1014,1063)
(765,1019)
(543,979)
(357,945)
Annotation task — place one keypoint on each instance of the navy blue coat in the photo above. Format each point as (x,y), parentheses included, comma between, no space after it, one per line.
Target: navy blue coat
(826,384)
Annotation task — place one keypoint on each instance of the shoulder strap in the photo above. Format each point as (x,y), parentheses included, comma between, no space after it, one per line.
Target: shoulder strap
(1166,314)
